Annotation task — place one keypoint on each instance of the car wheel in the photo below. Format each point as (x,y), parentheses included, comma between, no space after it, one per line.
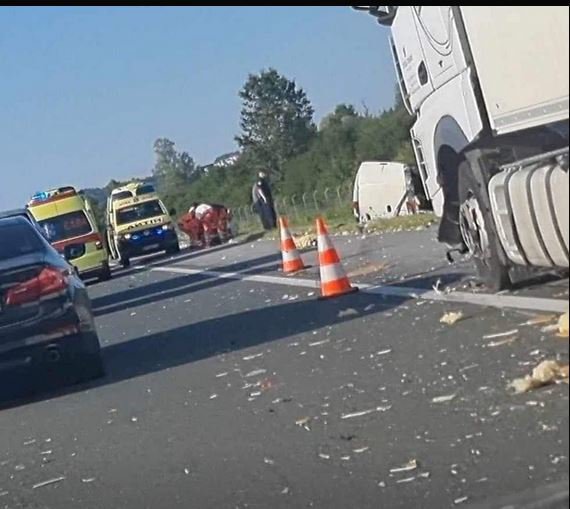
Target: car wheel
(173,249)
(91,368)
(478,230)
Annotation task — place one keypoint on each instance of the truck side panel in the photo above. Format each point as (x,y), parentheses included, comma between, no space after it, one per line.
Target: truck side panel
(521,57)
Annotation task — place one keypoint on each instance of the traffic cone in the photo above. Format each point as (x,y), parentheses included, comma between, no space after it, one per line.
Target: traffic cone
(292,261)
(334,281)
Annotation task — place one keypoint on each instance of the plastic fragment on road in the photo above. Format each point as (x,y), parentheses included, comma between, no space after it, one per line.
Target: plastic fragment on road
(253,356)
(540,319)
(48,482)
(460,500)
(563,325)
(501,334)
(365,412)
(546,373)
(360,450)
(451,317)
(443,399)
(255,372)
(268,461)
(88,480)
(344,313)
(408,467)
(303,422)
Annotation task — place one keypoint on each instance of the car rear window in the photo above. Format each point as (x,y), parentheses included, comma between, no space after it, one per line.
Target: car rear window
(66,226)
(18,240)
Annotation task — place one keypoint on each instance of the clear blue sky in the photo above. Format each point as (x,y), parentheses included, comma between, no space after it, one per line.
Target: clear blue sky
(84,92)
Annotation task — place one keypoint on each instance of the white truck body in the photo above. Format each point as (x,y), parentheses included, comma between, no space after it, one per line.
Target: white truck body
(380,189)
(490,83)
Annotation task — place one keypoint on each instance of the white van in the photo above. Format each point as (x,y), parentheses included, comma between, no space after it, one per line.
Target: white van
(381,189)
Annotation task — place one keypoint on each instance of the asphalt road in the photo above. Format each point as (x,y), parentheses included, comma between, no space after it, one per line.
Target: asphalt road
(230,385)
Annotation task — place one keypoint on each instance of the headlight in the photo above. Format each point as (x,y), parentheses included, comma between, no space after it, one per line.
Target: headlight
(168,226)
(127,236)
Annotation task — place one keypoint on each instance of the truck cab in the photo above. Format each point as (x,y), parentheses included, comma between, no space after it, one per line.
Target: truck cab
(488,87)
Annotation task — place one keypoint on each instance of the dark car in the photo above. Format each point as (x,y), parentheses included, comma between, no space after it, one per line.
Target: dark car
(26,214)
(46,322)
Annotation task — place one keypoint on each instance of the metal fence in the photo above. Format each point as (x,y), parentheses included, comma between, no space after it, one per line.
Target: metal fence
(300,207)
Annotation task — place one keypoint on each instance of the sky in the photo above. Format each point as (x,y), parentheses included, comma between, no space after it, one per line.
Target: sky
(84,92)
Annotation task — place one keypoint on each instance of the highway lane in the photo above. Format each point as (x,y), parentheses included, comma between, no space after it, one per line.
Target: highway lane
(242,393)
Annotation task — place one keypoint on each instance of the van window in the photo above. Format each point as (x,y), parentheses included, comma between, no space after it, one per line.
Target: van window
(139,212)
(66,226)
(145,189)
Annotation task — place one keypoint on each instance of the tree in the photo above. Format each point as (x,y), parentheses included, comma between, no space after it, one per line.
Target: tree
(173,170)
(276,121)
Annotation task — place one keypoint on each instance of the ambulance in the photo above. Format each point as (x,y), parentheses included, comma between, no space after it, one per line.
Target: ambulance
(138,223)
(66,217)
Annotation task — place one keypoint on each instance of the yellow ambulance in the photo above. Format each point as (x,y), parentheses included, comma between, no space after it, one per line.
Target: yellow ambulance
(138,223)
(66,217)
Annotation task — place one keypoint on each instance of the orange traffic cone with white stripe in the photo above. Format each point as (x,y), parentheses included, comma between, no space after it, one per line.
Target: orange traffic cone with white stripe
(334,281)
(292,261)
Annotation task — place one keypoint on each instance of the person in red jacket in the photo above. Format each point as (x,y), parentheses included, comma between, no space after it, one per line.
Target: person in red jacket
(206,224)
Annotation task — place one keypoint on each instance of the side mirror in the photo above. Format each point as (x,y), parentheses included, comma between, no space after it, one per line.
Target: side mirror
(73,251)
(172,212)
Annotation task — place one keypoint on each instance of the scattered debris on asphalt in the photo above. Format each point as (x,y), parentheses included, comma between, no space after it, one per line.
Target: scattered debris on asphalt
(49,482)
(540,319)
(563,325)
(460,500)
(546,373)
(344,313)
(303,422)
(501,334)
(360,450)
(254,356)
(255,372)
(88,480)
(407,467)
(444,399)
(365,412)
(451,317)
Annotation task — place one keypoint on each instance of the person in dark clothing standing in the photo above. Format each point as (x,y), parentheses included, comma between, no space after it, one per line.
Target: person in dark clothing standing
(263,202)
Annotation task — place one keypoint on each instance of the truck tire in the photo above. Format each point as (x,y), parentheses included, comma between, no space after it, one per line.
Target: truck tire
(478,230)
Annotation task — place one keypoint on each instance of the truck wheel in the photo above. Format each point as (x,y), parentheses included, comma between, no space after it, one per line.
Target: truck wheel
(478,230)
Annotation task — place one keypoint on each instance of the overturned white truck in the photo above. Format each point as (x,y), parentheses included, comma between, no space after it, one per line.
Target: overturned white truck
(488,86)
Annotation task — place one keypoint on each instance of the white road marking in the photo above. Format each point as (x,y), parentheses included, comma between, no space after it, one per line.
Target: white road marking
(490,300)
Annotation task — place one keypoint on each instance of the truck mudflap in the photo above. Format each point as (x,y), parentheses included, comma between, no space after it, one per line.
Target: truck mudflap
(529,200)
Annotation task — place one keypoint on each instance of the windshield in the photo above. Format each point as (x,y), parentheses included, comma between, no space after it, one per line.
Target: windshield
(139,212)
(18,240)
(66,226)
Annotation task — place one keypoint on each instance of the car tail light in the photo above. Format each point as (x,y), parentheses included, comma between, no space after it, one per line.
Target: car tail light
(48,282)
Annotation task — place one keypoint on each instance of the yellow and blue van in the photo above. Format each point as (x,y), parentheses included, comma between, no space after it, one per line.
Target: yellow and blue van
(138,223)
(66,218)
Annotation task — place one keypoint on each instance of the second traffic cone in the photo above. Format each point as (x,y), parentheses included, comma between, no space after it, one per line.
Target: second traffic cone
(333,278)
(292,261)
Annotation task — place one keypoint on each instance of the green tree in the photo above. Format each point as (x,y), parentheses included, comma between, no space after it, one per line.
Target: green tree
(276,121)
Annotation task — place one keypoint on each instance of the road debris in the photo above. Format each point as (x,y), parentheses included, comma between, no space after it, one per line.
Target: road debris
(318,343)
(451,317)
(285,491)
(501,334)
(344,313)
(546,373)
(460,500)
(324,456)
(88,480)
(220,375)
(268,461)
(213,396)
(30,442)
(365,412)
(383,352)
(254,356)
(507,341)
(563,325)
(539,320)
(360,450)
(408,467)
(444,399)
(256,372)
(49,482)
(303,422)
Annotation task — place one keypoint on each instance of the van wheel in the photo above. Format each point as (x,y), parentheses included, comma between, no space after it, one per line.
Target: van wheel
(175,248)
(105,273)
(125,261)
(478,230)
